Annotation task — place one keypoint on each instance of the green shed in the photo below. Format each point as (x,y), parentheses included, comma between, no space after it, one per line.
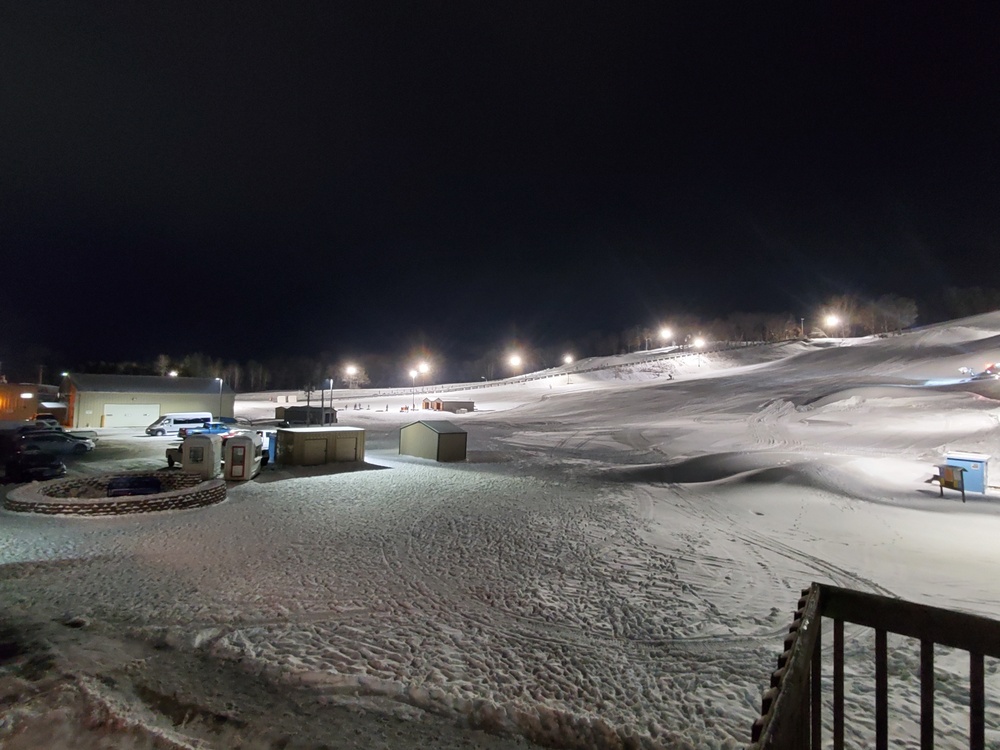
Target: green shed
(437,439)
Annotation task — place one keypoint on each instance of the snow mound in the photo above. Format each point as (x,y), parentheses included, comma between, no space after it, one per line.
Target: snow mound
(855,397)
(766,468)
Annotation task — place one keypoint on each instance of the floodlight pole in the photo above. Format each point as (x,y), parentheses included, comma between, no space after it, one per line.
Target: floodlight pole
(220,397)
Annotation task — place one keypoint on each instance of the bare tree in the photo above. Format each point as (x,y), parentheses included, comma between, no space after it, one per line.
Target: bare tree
(895,313)
(162,364)
(232,373)
(257,376)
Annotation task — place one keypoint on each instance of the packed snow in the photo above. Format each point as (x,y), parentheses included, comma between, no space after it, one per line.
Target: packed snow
(615,565)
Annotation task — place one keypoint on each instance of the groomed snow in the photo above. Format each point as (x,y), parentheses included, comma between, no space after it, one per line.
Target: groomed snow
(619,557)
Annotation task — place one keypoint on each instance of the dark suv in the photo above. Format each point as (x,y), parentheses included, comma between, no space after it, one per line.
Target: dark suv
(32,464)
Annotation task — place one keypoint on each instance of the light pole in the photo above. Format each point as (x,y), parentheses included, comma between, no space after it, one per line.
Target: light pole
(515,362)
(352,373)
(567,360)
(834,321)
(699,343)
(331,398)
(421,369)
(220,396)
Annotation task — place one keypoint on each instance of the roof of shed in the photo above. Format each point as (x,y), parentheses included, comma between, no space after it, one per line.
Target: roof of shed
(438,425)
(146,384)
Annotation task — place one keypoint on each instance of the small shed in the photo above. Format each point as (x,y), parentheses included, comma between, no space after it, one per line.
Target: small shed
(974,477)
(311,446)
(438,440)
(306,415)
(453,405)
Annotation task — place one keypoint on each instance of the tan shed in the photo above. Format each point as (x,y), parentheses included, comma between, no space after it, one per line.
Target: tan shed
(438,440)
(311,446)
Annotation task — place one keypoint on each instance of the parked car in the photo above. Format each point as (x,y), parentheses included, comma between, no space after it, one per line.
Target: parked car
(47,421)
(210,428)
(32,464)
(174,454)
(56,443)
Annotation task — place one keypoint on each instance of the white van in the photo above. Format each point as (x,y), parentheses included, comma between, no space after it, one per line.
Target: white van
(168,424)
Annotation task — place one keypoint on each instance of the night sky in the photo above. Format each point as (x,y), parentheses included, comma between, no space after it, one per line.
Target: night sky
(247,179)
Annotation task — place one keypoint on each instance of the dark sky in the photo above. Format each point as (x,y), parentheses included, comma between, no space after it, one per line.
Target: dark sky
(247,178)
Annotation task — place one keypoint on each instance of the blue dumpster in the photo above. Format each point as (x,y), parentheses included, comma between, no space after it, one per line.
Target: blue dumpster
(975,465)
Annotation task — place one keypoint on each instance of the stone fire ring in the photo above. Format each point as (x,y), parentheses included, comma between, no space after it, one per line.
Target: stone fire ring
(88,496)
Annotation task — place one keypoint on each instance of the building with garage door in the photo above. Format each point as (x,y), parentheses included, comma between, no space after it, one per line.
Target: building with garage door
(139,400)
(312,446)
(438,440)
(453,405)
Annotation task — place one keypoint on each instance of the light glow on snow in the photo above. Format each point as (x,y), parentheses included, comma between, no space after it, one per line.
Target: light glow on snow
(618,558)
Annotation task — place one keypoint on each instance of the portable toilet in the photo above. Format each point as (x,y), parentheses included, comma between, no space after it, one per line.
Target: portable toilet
(202,454)
(975,465)
(243,456)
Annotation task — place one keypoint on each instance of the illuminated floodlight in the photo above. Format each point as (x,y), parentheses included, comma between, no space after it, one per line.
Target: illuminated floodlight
(666,333)
(351,370)
(27,395)
(568,359)
(172,373)
(421,369)
(515,360)
(699,342)
(832,321)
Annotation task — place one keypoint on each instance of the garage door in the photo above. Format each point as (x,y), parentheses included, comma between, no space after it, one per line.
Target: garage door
(130,415)
(347,449)
(314,452)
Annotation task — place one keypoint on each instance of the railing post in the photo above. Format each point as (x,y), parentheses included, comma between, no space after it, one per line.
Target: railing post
(816,688)
(838,684)
(977,737)
(926,695)
(881,690)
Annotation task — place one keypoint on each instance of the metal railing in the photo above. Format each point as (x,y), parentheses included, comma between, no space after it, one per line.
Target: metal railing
(791,709)
(639,358)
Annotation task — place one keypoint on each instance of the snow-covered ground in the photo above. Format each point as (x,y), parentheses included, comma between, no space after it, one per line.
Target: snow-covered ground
(618,559)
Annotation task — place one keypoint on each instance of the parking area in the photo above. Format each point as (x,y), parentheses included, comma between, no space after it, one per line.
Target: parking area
(116,449)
